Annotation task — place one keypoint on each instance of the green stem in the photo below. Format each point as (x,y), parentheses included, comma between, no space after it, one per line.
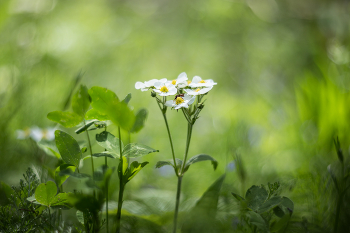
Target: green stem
(50,219)
(107,225)
(121,186)
(179,181)
(178,192)
(92,160)
(169,135)
(189,134)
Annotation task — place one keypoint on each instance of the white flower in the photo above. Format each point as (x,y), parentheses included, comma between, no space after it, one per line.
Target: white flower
(180,102)
(165,88)
(148,84)
(181,80)
(199,82)
(198,91)
(36,133)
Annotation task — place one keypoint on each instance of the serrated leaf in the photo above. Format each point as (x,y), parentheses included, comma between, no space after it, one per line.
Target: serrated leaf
(134,150)
(109,142)
(85,127)
(67,119)
(140,119)
(45,193)
(255,197)
(68,148)
(81,101)
(199,158)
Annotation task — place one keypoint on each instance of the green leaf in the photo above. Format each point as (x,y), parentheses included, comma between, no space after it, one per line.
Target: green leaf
(257,220)
(49,147)
(59,178)
(269,204)
(68,172)
(63,199)
(199,158)
(127,98)
(134,150)
(33,200)
(6,189)
(255,197)
(170,163)
(281,224)
(106,102)
(45,193)
(85,127)
(68,148)
(80,216)
(103,99)
(67,119)
(135,167)
(285,207)
(140,119)
(93,114)
(164,163)
(238,197)
(103,154)
(201,218)
(109,142)
(81,101)
(122,115)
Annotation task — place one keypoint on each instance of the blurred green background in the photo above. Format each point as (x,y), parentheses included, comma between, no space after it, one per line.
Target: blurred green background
(282,69)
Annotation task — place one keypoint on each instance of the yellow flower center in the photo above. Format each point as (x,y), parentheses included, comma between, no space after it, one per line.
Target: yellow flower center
(202,81)
(164,89)
(179,100)
(173,82)
(188,82)
(197,90)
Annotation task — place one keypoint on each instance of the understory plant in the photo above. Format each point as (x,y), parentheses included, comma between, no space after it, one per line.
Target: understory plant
(188,97)
(93,110)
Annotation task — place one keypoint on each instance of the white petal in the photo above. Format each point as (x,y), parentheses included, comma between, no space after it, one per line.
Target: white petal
(187,97)
(196,79)
(139,85)
(205,90)
(191,100)
(169,103)
(182,77)
(163,80)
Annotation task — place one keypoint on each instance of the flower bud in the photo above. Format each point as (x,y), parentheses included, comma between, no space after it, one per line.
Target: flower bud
(153,94)
(201,106)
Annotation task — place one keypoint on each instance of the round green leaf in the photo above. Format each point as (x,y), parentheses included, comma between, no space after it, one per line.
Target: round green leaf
(255,197)
(45,193)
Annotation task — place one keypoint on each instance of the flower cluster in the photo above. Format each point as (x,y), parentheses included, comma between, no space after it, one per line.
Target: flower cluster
(185,91)
(36,133)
